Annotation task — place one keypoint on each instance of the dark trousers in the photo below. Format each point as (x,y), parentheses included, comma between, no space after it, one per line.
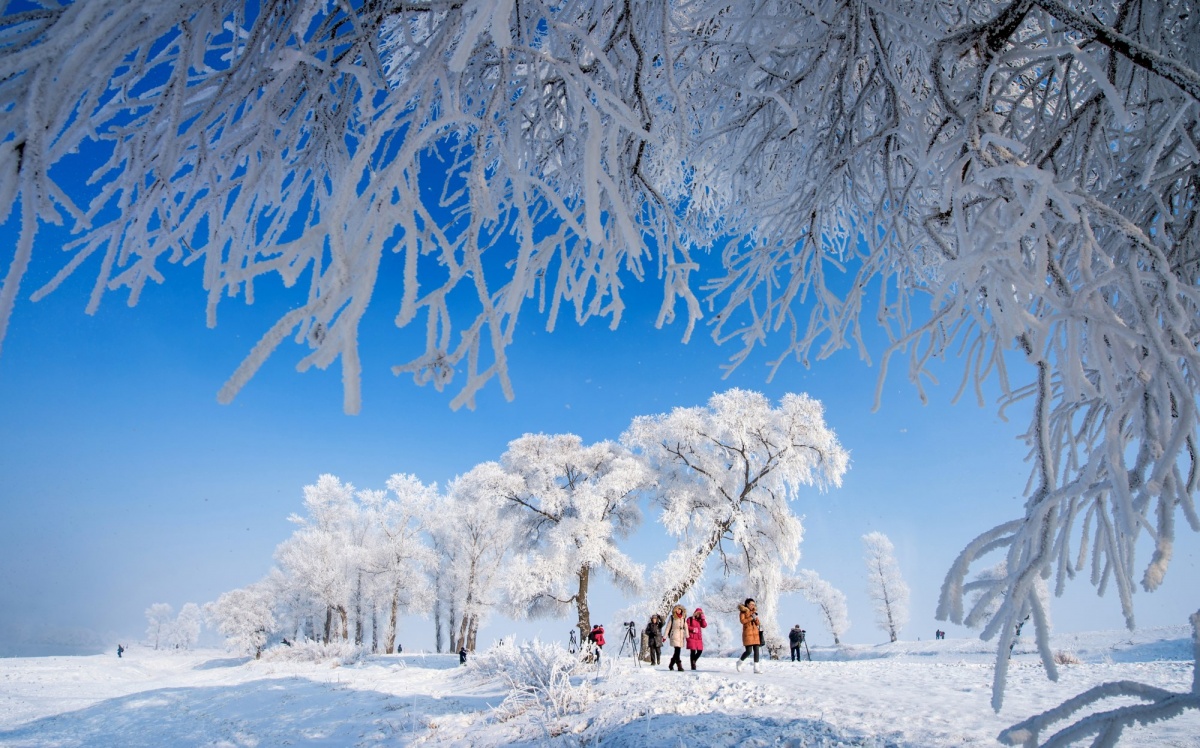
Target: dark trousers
(795,653)
(695,655)
(749,648)
(675,659)
(655,655)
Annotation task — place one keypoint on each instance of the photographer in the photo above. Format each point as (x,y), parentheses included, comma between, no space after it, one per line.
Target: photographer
(654,638)
(596,637)
(796,639)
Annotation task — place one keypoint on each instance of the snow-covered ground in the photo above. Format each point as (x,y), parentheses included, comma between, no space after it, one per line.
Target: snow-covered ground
(933,693)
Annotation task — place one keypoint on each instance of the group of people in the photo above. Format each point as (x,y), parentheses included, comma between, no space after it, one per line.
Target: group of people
(681,630)
(939,634)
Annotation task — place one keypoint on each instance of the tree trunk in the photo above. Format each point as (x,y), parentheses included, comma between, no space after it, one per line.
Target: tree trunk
(390,644)
(328,621)
(695,570)
(358,611)
(437,619)
(472,633)
(584,622)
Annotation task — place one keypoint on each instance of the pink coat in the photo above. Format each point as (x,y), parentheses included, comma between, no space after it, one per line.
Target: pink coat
(695,637)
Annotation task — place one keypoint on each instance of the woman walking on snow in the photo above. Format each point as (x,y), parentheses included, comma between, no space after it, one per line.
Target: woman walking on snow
(677,635)
(751,632)
(654,639)
(695,637)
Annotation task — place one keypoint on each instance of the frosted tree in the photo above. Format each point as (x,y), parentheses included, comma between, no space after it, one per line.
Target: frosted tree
(885,584)
(185,629)
(1005,179)
(831,601)
(726,475)
(476,537)
(244,617)
(159,616)
(319,556)
(398,557)
(572,504)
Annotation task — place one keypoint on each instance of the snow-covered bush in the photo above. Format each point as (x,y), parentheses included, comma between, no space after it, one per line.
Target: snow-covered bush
(544,677)
(334,653)
(1063,657)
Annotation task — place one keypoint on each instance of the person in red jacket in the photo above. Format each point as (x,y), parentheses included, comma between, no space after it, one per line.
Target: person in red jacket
(596,637)
(695,635)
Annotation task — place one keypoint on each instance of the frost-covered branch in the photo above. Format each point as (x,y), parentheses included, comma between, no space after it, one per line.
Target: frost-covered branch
(1107,725)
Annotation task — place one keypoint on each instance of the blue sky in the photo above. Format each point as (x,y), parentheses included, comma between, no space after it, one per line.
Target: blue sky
(124,483)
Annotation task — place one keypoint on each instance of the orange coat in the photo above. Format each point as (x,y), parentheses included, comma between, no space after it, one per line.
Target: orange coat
(751,632)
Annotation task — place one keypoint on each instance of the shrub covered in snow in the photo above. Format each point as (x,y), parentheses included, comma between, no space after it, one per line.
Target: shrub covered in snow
(543,677)
(334,653)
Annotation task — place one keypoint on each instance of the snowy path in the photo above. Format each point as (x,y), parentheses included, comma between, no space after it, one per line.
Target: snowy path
(909,694)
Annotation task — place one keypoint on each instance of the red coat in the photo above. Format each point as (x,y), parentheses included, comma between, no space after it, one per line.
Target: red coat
(597,636)
(695,637)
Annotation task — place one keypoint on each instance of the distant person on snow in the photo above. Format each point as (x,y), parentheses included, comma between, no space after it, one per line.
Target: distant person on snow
(695,637)
(654,638)
(796,639)
(120,650)
(596,637)
(462,656)
(677,636)
(751,632)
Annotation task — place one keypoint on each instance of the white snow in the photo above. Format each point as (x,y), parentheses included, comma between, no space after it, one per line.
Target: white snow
(933,693)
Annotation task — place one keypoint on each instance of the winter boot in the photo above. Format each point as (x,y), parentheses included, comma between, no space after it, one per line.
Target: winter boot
(757,668)
(738,665)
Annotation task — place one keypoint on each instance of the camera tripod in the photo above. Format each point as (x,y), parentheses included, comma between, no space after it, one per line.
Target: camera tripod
(573,643)
(630,639)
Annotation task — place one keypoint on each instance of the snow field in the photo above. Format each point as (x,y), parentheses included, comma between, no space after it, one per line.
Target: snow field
(906,694)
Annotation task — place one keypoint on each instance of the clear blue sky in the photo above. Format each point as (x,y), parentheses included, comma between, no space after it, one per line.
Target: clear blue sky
(124,483)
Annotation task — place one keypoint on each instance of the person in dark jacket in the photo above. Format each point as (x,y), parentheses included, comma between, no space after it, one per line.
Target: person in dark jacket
(796,639)
(462,656)
(120,650)
(654,638)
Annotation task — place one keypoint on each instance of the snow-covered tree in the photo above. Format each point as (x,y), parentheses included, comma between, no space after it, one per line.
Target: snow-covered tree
(726,475)
(244,617)
(885,584)
(572,503)
(984,176)
(399,557)
(475,535)
(159,616)
(318,556)
(185,629)
(831,601)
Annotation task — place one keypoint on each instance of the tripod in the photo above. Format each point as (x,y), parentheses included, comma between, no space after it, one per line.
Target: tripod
(573,643)
(630,639)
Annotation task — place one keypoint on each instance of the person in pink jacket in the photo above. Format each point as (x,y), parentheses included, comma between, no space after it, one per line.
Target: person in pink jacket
(695,635)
